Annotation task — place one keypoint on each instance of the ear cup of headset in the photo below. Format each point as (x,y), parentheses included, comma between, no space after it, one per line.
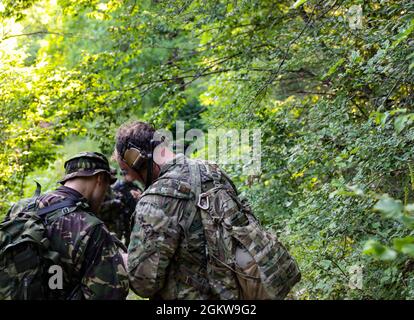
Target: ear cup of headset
(134,158)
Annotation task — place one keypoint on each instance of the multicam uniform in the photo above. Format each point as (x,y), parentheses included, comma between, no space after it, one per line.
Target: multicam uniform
(165,261)
(89,256)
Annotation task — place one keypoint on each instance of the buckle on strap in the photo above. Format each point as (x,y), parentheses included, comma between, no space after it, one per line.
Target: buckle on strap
(203,204)
(65,210)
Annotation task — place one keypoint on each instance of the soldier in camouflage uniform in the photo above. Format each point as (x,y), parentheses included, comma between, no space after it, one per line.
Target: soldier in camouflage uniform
(118,207)
(93,267)
(166,258)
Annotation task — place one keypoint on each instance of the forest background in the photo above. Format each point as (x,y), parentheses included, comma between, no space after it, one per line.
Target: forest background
(328,83)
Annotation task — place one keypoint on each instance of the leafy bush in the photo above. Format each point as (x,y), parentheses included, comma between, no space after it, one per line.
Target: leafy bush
(333,101)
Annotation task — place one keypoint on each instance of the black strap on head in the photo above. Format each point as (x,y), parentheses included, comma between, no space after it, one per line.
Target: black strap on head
(150,163)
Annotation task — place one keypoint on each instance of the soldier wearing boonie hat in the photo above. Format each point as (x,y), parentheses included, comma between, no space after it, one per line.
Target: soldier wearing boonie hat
(90,256)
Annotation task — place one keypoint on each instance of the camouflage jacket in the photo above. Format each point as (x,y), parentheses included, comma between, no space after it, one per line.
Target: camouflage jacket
(165,261)
(92,265)
(117,209)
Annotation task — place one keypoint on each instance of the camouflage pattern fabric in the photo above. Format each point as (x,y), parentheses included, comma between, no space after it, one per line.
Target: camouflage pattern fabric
(110,213)
(265,268)
(24,254)
(117,209)
(89,256)
(181,246)
(86,164)
(164,260)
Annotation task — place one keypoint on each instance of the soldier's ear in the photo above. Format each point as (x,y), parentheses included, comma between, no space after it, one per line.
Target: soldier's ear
(103,178)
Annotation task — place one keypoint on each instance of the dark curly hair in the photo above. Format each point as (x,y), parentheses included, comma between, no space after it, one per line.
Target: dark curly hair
(138,133)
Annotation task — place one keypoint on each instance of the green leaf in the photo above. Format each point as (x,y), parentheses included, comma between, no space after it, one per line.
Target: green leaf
(409,207)
(389,207)
(326,263)
(401,122)
(332,69)
(380,118)
(405,245)
(399,243)
(379,251)
(408,220)
(356,190)
(298,3)
(397,111)
(404,35)
(408,249)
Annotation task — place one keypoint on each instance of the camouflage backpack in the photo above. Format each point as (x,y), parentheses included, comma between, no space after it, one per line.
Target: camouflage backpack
(24,249)
(229,228)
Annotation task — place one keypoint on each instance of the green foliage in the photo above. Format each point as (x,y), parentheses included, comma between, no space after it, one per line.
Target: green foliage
(334,104)
(393,209)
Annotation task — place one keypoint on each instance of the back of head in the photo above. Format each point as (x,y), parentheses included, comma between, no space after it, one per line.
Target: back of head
(136,133)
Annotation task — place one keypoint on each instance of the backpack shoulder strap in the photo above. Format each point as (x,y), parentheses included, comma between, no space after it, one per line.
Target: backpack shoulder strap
(67,203)
(195,182)
(215,174)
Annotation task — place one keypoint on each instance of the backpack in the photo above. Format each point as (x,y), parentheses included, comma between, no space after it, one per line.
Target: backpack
(244,260)
(25,256)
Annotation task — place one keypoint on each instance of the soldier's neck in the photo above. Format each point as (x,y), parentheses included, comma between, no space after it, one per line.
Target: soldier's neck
(83,186)
(163,155)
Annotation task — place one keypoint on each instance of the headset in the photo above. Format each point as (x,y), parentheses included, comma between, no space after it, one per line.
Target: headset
(135,157)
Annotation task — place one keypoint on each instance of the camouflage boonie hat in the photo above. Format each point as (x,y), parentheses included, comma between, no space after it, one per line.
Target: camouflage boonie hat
(87,164)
